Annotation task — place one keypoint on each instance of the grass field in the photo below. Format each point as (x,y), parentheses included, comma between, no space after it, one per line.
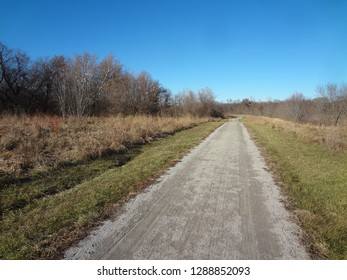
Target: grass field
(37,143)
(44,213)
(313,173)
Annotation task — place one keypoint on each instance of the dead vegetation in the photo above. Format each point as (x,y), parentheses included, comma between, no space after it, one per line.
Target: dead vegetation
(43,214)
(334,137)
(38,143)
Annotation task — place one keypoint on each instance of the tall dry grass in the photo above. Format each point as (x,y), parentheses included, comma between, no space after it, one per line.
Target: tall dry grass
(334,137)
(38,143)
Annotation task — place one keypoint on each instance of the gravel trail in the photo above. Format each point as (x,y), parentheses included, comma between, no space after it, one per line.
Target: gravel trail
(219,202)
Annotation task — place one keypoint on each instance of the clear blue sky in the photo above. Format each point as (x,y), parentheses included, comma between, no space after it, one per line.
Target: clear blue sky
(240,49)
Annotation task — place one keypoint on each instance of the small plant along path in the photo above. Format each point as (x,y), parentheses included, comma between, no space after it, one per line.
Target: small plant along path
(219,202)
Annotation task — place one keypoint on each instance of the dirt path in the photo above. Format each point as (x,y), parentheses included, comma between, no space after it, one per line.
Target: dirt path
(218,203)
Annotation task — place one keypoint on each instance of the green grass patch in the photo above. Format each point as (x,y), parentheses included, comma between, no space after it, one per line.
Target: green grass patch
(18,191)
(44,225)
(315,179)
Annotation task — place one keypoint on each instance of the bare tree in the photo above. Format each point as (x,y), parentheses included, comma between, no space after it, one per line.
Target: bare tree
(14,78)
(207,102)
(295,106)
(83,85)
(165,102)
(333,101)
(83,70)
(109,71)
(61,83)
(40,88)
(189,102)
(131,102)
(138,94)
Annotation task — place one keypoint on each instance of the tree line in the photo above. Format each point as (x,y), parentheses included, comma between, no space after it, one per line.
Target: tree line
(84,86)
(328,107)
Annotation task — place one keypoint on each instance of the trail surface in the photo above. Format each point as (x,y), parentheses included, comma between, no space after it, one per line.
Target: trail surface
(219,202)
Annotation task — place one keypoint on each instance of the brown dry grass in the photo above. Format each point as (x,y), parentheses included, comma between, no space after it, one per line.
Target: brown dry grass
(334,137)
(43,226)
(39,143)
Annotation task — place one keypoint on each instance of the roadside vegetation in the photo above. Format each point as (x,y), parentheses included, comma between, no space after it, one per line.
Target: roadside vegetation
(329,107)
(72,131)
(311,164)
(41,156)
(79,135)
(47,223)
(85,85)
(38,143)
